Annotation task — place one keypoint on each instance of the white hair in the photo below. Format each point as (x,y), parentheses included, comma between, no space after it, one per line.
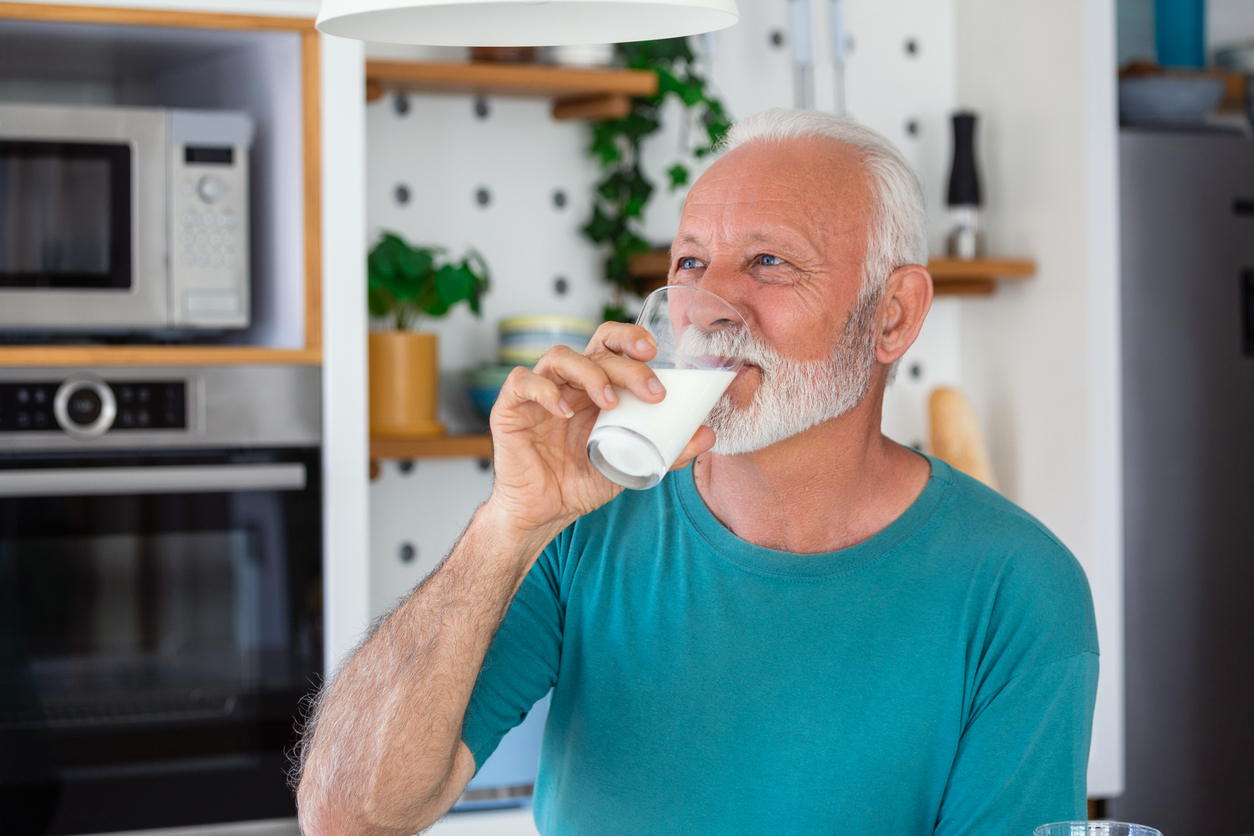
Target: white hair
(898,234)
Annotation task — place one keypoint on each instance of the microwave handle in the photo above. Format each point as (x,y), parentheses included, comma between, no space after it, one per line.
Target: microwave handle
(104,481)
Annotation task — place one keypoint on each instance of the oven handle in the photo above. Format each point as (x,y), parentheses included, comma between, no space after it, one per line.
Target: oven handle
(201,478)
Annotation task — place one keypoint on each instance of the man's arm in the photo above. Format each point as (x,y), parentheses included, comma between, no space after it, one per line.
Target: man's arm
(383,754)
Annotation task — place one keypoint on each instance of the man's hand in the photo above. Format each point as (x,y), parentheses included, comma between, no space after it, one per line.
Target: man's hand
(542,420)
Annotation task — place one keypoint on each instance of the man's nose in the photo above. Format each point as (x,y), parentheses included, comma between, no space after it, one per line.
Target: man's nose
(725,281)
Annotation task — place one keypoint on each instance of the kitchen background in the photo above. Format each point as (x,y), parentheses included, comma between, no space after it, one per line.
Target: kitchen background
(1040,359)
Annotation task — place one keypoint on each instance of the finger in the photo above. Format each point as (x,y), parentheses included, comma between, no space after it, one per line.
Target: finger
(632,375)
(564,366)
(622,338)
(525,386)
(702,440)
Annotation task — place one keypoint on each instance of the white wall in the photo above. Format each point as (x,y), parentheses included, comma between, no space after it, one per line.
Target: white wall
(345,435)
(1040,359)
(1229,22)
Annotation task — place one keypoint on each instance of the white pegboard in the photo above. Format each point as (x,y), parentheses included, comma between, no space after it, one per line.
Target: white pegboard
(443,153)
(425,507)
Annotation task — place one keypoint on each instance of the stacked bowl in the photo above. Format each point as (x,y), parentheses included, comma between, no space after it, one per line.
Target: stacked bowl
(522,341)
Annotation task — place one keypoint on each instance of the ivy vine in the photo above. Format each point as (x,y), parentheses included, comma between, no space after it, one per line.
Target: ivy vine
(623,192)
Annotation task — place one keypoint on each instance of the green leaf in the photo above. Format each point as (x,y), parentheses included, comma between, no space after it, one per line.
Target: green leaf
(403,281)
(678,174)
(453,284)
(601,228)
(624,191)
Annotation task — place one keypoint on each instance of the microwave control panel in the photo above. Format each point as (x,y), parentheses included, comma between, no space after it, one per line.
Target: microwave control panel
(86,407)
(209,261)
(208,200)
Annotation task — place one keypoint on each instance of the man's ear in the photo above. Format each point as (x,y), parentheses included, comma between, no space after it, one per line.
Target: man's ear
(906,301)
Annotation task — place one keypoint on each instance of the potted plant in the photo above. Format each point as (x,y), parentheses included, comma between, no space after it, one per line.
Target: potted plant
(405,283)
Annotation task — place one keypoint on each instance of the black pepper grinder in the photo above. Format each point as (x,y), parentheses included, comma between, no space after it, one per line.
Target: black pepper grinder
(966,239)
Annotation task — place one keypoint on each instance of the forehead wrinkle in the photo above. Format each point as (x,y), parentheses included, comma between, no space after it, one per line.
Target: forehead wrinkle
(820,191)
(777,227)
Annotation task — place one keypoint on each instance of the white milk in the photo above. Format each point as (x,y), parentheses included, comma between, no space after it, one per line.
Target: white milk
(669,425)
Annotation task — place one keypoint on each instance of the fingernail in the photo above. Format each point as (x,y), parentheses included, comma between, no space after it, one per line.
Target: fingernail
(565,408)
(643,345)
(610,395)
(655,386)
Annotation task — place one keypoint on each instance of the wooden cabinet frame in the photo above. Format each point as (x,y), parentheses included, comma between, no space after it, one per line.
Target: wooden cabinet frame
(311,352)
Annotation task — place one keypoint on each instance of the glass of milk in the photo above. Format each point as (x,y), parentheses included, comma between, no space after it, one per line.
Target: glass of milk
(699,338)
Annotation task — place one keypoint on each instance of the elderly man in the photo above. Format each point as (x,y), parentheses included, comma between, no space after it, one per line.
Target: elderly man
(811,629)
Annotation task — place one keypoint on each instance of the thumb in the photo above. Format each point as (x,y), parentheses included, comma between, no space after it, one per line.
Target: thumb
(702,440)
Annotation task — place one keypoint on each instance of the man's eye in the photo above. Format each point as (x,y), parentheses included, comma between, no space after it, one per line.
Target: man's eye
(770,260)
(688,263)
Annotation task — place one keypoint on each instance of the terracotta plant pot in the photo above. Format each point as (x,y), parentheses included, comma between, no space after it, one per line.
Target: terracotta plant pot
(404,385)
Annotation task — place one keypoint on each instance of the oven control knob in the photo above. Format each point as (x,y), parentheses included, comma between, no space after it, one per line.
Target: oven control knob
(210,188)
(84,407)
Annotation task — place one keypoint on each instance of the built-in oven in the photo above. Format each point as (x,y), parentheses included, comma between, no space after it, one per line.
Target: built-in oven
(160,594)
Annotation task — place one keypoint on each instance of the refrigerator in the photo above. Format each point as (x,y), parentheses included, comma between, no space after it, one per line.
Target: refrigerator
(1187,214)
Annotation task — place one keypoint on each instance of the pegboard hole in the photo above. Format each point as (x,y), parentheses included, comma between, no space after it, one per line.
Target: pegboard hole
(405,466)
(408,552)
(912,47)
(916,370)
(401,193)
(777,38)
(400,104)
(482,111)
(912,127)
(482,196)
(559,198)
(560,285)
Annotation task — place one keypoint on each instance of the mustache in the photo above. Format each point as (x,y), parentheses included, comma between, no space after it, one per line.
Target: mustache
(699,348)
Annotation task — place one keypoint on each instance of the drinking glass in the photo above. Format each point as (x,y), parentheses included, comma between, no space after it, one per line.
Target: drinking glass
(699,338)
(1094,828)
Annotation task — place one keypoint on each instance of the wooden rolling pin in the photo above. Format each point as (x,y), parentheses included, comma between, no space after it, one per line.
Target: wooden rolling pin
(956,436)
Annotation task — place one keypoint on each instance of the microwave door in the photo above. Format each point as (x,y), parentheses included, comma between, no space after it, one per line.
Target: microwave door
(62,215)
(82,209)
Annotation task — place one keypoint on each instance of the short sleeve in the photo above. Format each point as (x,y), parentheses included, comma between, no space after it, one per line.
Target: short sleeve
(522,663)
(1022,758)
(1022,761)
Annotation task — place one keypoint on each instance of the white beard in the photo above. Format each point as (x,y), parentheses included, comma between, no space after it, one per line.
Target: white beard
(796,395)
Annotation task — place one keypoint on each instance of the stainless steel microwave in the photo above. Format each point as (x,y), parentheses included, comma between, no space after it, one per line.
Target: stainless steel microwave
(123,219)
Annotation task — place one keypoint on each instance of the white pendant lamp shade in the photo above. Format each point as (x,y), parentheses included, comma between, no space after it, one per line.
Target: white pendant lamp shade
(522,22)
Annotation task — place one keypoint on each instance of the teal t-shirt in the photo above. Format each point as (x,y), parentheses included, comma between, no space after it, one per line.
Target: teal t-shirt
(936,678)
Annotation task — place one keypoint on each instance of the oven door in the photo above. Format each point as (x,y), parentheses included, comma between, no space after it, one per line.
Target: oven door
(83,225)
(160,626)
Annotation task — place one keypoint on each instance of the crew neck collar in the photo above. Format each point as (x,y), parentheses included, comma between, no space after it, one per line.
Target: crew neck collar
(683,487)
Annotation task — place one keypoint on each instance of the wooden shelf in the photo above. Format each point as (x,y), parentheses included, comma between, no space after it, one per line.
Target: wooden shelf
(155,355)
(446,447)
(577,93)
(976,277)
(950,276)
